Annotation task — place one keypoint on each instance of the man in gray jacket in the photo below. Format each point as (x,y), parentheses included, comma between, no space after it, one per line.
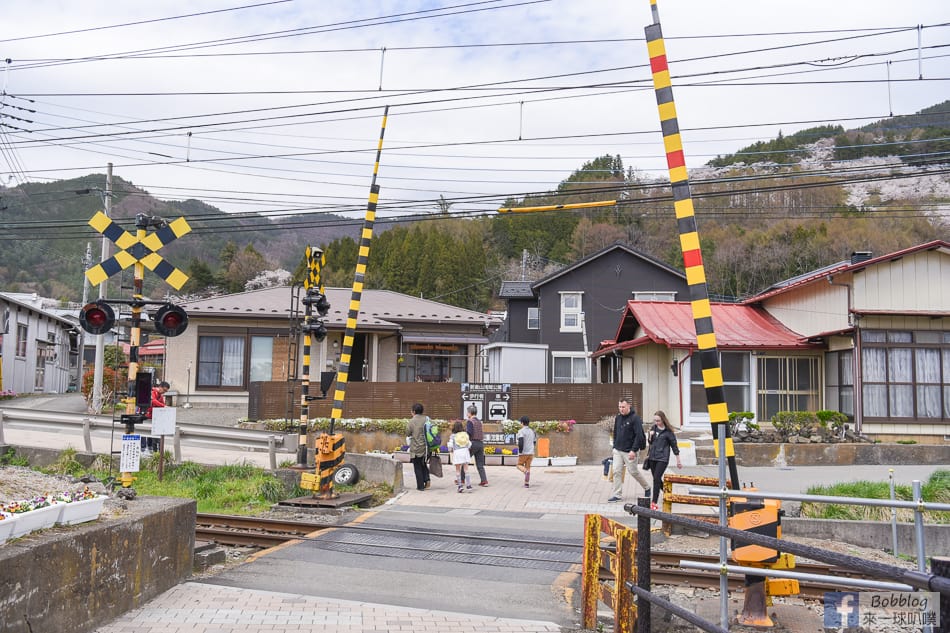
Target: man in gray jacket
(629,439)
(418,448)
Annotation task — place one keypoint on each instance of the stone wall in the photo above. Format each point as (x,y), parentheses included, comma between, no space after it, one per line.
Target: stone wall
(77,578)
(838,454)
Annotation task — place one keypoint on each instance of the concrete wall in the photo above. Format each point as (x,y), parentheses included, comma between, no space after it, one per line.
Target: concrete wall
(748,454)
(863,533)
(76,578)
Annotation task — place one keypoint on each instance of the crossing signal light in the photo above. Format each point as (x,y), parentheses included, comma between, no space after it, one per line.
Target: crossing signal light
(171,320)
(97,318)
(318,300)
(316,329)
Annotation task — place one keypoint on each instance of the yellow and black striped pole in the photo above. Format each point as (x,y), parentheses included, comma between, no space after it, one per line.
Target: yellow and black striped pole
(689,243)
(331,447)
(695,279)
(316,259)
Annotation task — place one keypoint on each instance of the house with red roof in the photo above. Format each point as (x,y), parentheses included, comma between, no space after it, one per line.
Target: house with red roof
(869,337)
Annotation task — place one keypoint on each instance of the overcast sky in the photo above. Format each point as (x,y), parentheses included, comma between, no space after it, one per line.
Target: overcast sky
(487,99)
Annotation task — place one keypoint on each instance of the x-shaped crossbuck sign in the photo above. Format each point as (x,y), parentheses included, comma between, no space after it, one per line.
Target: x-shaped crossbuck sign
(138,250)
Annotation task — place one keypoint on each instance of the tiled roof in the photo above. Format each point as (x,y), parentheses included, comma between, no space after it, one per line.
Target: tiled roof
(379,309)
(670,323)
(516,290)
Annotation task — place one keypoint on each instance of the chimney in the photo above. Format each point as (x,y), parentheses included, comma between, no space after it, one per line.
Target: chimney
(860,256)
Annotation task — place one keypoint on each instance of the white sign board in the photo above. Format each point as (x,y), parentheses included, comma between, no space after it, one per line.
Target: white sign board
(163,421)
(131,453)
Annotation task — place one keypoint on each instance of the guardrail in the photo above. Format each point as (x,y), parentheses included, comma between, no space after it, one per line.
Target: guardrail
(219,437)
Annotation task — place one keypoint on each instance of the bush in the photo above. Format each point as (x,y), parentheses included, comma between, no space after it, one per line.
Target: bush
(826,424)
(742,420)
(789,423)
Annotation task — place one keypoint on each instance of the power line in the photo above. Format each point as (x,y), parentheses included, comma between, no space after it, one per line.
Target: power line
(139,22)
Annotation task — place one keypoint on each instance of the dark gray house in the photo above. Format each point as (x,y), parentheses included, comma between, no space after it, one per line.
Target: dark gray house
(563,317)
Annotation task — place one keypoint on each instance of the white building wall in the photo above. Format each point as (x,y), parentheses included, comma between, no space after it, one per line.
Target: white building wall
(813,309)
(516,363)
(915,283)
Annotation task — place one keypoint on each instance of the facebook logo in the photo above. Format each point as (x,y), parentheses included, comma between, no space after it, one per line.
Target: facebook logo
(841,609)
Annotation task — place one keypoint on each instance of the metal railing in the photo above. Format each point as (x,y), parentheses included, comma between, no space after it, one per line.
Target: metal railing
(906,579)
(215,436)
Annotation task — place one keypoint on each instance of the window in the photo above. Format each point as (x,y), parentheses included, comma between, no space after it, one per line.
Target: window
(787,384)
(232,358)
(21,337)
(735,382)
(534,318)
(839,382)
(658,295)
(220,361)
(570,368)
(571,314)
(906,374)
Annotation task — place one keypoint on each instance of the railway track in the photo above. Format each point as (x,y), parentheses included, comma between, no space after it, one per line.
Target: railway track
(470,548)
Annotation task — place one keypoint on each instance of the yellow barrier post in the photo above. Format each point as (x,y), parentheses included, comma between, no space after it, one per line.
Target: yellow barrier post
(608,566)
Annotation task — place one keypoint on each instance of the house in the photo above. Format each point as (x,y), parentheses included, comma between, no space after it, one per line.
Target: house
(233,340)
(554,324)
(869,337)
(654,347)
(38,348)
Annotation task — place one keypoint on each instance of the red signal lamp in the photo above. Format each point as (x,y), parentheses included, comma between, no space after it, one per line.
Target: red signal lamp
(97,318)
(171,320)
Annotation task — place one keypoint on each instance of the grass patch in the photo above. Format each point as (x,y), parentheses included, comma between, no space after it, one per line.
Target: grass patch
(935,490)
(232,489)
(240,488)
(10,458)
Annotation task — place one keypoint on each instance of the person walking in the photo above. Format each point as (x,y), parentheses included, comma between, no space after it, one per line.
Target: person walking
(629,439)
(526,440)
(476,433)
(418,448)
(662,440)
(459,444)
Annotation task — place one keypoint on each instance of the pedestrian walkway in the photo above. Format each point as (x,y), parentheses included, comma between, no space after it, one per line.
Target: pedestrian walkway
(198,608)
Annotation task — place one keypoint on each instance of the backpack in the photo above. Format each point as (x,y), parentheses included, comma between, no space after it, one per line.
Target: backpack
(433,439)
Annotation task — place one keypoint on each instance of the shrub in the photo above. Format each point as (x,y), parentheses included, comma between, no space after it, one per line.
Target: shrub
(742,420)
(789,423)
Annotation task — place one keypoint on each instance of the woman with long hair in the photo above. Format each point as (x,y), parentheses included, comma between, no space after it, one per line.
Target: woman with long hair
(662,440)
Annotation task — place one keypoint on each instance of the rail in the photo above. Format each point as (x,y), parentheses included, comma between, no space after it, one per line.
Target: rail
(219,437)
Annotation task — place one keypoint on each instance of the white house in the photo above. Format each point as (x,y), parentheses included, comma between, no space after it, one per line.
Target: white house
(38,348)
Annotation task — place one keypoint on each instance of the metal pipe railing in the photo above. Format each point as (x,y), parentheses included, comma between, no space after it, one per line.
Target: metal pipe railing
(917,579)
(219,437)
(675,609)
(798,575)
(791,496)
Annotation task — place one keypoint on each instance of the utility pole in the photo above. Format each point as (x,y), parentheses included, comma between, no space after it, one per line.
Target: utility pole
(100,341)
(86,262)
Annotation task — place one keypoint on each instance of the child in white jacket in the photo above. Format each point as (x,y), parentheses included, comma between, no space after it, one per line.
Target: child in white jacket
(460,444)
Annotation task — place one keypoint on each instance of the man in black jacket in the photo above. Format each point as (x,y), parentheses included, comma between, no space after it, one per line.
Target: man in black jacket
(629,439)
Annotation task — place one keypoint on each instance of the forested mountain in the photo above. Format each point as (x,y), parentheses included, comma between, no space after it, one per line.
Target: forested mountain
(758,225)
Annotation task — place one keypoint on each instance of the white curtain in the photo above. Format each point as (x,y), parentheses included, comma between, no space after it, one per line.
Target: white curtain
(232,361)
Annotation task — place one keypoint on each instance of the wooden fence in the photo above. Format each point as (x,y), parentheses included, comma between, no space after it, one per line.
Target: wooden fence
(442,400)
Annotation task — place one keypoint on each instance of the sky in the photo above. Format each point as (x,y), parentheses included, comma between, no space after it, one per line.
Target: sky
(276,107)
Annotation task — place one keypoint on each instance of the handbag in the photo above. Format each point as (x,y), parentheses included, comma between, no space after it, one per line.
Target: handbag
(435,465)
(648,464)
